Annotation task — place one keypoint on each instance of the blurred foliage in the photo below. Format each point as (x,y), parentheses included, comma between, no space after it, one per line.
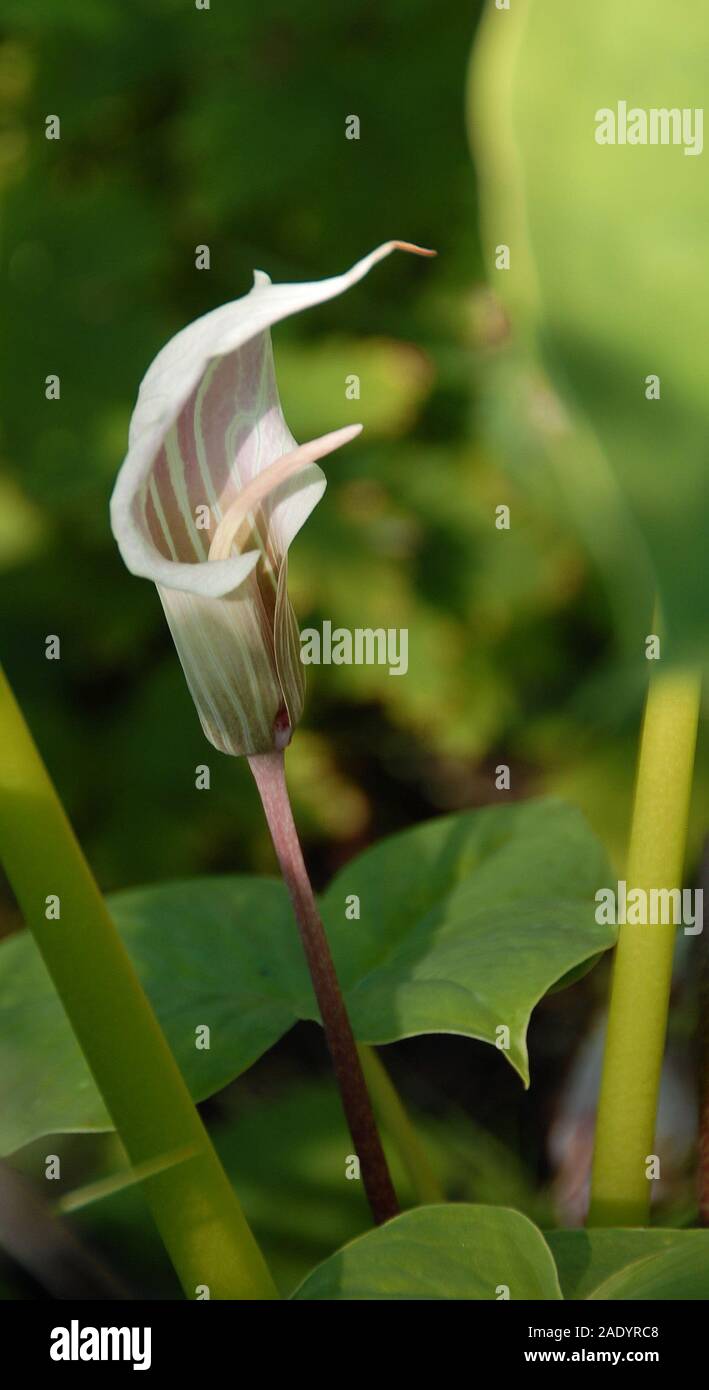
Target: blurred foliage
(285,1154)
(180,127)
(608,280)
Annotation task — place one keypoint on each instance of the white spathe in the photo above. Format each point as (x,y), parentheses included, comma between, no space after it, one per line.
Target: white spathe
(206,427)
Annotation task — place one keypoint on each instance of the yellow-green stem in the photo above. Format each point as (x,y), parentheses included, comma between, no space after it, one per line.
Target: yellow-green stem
(397,1125)
(195,1209)
(642,968)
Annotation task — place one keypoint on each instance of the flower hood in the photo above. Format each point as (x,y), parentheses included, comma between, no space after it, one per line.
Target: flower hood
(211,493)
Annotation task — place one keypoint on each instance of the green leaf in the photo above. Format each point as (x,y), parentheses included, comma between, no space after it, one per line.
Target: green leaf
(222,952)
(464,923)
(609,273)
(467,921)
(447,1252)
(632,1264)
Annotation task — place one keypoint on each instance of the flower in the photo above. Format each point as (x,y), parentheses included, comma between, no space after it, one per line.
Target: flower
(211,493)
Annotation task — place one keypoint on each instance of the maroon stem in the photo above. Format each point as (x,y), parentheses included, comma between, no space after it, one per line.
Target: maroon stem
(269,772)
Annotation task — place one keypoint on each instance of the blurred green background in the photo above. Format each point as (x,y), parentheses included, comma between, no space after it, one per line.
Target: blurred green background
(182,127)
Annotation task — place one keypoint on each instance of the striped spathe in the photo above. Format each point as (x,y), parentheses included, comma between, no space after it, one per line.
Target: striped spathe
(211,493)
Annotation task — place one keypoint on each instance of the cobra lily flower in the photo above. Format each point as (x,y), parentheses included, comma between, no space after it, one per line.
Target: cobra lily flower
(210,495)
(208,499)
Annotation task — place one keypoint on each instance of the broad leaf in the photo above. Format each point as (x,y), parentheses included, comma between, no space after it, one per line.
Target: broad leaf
(609,271)
(632,1264)
(464,924)
(447,1252)
(220,952)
